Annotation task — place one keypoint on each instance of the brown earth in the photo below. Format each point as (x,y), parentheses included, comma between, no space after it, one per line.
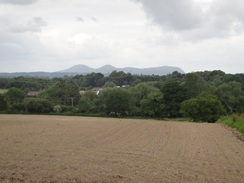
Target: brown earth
(81,149)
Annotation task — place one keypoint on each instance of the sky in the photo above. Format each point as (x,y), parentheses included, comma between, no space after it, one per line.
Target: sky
(53,35)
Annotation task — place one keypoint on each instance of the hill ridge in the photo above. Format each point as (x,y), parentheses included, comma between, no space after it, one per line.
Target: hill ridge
(107,69)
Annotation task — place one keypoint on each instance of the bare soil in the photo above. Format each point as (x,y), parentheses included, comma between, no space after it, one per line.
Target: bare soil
(82,149)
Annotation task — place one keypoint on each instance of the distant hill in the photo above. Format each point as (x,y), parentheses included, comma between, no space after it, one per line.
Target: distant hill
(105,70)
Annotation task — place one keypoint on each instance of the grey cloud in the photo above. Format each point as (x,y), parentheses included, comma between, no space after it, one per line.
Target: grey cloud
(175,14)
(18,2)
(223,18)
(33,25)
(229,8)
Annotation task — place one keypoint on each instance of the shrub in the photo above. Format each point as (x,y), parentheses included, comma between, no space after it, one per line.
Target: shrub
(38,106)
(203,109)
(68,109)
(57,108)
(17,108)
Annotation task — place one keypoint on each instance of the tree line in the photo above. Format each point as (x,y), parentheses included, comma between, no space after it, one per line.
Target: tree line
(200,96)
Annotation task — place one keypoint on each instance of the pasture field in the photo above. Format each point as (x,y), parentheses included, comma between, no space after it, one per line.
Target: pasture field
(62,149)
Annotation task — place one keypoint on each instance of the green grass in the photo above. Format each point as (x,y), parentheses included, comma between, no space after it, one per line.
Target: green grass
(235,121)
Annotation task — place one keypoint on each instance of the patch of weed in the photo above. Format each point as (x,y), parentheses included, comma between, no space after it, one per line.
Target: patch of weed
(235,121)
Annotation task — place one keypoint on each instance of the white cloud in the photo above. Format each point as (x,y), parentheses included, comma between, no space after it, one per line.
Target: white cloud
(52,35)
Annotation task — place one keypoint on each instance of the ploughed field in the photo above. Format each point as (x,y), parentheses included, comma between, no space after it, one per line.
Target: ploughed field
(81,149)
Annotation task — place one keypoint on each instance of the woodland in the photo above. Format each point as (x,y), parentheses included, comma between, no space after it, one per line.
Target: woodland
(198,96)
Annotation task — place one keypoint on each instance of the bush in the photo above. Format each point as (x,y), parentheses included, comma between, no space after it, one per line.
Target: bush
(38,106)
(203,109)
(17,108)
(68,109)
(57,108)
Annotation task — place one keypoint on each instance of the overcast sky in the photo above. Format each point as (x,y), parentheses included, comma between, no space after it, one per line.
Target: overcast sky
(52,35)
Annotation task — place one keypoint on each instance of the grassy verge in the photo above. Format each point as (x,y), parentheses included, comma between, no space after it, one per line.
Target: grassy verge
(235,121)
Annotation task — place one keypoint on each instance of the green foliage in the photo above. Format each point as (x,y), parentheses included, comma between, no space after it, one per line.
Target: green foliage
(14,96)
(93,80)
(3,103)
(193,84)
(109,84)
(232,97)
(209,89)
(69,109)
(120,78)
(88,102)
(37,105)
(25,83)
(16,108)
(63,92)
(234,121)
(151,96)
(152,106)
(202,109)
(57,108)
(141,91)
(173,94)
(116,101)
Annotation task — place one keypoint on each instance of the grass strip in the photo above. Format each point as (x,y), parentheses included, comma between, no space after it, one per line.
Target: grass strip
(234,121)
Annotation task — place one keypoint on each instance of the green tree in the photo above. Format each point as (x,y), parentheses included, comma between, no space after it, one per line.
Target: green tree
(209,89)
(232,96)
(139,93)
(120,78)
(173,94)
(203,109)
(109,84)
(64,92)
(88,102)
(153,106)
(116,101)
(37,105)
(3,103)
(92,80)
(14,96)
(193,85)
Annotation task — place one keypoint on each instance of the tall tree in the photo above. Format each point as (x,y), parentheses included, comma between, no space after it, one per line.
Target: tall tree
(173,94)
(3,103)
(139,93)
(232,96)
(193,84)
(14,96)
(64,92)
(153,105)
(116,101)
(88,102)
